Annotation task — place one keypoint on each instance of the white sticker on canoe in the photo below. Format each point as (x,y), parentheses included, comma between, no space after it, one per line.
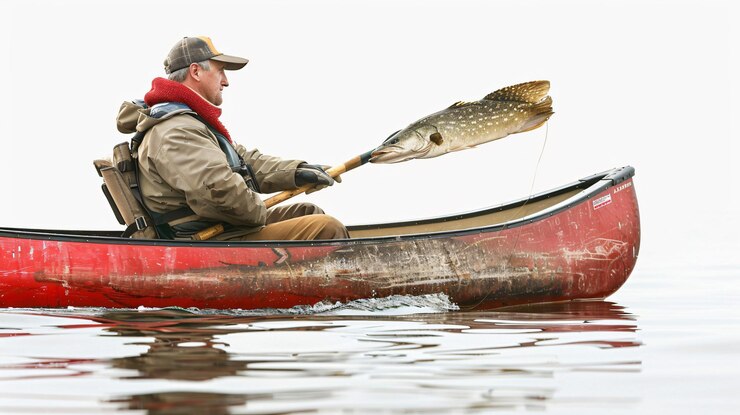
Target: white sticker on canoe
(602,201)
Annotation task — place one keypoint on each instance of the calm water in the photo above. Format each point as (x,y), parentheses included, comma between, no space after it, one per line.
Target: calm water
(665,343)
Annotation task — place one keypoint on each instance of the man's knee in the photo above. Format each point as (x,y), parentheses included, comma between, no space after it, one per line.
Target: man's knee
(292,211)
(310,209)
(328,227)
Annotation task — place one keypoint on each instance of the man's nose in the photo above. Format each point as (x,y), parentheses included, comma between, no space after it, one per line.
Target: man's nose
(225,81)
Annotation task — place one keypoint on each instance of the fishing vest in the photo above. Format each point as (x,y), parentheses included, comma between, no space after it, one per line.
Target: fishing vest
(121,181)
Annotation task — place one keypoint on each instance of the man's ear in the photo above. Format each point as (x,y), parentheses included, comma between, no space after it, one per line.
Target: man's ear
(195,70)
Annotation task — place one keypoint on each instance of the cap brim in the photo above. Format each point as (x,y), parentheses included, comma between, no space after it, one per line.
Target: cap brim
(231,63)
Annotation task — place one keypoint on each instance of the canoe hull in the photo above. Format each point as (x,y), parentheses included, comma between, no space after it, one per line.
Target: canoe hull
(586,250)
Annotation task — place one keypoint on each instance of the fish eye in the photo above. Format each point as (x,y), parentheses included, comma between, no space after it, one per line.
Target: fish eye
(390,139)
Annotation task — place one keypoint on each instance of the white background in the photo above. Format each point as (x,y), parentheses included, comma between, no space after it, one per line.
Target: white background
(652,84)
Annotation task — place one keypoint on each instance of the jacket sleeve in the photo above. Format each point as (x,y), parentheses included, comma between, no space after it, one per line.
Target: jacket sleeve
(190,160)
(273,174)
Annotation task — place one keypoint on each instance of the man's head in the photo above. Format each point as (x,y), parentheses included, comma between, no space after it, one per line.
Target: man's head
(195,62)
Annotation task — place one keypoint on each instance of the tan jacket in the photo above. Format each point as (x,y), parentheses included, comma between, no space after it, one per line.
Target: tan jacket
(181,164)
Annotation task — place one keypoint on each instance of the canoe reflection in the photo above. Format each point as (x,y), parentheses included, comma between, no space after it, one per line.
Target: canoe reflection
(427,350)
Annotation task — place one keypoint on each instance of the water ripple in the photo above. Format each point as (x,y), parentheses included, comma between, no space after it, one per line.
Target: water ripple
(326,359)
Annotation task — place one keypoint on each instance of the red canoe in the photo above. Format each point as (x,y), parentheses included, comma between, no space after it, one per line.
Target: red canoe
(579,241)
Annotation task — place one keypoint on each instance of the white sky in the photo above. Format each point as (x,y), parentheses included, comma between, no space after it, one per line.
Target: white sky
(652,84)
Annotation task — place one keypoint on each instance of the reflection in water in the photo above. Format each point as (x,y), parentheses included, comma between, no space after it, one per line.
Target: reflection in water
(443,362)
(183,346)
(172,403)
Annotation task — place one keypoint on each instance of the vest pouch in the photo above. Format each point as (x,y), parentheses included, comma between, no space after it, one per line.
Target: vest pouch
(138,222)
(100,164)
(123,161)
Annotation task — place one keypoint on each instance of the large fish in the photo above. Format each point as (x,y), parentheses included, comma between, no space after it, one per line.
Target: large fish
(514,109)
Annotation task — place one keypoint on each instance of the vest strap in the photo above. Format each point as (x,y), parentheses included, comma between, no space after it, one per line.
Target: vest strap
(236,162)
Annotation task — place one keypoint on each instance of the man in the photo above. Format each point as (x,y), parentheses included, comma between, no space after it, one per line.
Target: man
(195,176)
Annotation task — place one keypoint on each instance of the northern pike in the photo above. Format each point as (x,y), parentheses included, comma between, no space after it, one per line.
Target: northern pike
(514,109)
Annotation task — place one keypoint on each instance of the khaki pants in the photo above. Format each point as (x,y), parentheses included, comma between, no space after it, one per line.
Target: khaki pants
(299,221)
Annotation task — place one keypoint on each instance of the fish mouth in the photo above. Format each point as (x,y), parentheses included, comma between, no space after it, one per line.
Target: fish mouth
(397,154)
(388,156)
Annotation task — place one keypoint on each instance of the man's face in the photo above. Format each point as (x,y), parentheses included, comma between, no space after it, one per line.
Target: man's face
(212,83)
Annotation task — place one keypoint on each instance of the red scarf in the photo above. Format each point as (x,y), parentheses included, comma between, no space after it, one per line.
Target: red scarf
(164,90)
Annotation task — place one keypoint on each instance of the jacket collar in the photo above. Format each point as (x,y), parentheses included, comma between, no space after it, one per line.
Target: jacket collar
(164,90)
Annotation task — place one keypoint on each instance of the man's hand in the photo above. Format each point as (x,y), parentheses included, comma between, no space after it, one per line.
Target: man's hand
(314,174)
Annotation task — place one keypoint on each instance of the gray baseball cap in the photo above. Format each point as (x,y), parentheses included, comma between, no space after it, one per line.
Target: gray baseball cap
(196,49)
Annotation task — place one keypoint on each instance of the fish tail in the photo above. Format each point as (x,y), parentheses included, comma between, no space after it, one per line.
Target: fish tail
(531,92)
(541,112)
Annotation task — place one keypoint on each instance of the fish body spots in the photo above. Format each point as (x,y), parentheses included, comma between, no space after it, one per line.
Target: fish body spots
(467,124)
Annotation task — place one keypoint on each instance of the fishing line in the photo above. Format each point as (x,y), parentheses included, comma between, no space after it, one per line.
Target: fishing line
(537,166)
(531,186)
(518,211)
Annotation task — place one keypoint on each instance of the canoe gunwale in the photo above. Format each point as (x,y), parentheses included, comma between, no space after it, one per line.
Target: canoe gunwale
(590,185)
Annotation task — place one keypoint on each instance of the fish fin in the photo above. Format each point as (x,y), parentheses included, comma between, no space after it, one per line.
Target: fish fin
(436,138)
(529,92)
(459,104)
(462,148)
(542,112)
